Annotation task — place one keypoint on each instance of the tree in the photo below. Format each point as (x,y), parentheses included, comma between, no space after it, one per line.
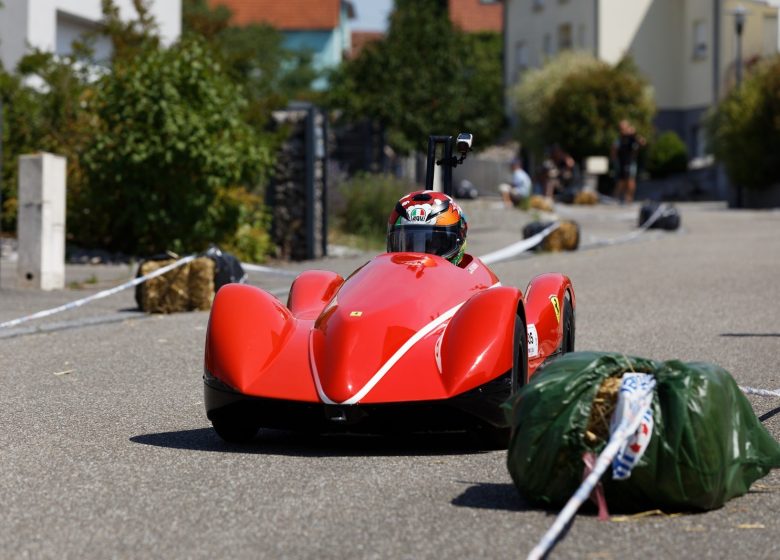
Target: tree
(425,77)
(582,103)
(254,56)
(745,128)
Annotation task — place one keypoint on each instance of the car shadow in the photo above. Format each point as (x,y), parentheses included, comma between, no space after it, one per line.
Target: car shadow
(490,495)
(292,444)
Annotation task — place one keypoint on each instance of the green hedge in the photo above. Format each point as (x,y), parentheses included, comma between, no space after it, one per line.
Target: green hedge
(368,200)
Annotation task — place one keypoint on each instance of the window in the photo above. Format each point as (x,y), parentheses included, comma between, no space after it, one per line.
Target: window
(581,35)
(547,47)
(699,40)
(564,37)
(521,58)
(538,5)
(770,35)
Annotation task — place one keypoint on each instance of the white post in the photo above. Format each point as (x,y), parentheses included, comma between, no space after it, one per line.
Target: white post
(41,222)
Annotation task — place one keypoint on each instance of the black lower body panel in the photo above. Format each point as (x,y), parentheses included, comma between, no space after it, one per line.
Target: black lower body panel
(471,410)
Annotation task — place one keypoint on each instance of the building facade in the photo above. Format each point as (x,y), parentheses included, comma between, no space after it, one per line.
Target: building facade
(687,49)
(53,25)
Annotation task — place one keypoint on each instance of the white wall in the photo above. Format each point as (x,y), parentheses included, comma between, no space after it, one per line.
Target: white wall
(50,24)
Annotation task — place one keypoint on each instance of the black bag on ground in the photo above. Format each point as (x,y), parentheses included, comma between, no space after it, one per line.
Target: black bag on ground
(668,220)
(707,445)
(228,268)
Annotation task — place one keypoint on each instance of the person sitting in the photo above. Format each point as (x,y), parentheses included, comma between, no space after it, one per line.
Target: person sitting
(428,222)
(519,188)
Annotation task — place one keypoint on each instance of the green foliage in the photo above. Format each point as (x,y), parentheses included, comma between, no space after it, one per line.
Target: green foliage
(160,151)
(425,77)
(533,94)
(49,117)
(745,128)
(667,155)
(577,102)
(254,56)
(368,201)
(169,135)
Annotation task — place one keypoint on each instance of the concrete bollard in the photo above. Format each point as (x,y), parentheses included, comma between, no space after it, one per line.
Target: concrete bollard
(41,222)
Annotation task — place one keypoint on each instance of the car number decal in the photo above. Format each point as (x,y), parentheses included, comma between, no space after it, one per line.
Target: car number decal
(533,341)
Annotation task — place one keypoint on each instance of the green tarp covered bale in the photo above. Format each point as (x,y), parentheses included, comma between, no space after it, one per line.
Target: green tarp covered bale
(707,444)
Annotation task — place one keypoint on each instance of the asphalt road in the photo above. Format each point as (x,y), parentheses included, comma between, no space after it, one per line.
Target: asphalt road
(115,458)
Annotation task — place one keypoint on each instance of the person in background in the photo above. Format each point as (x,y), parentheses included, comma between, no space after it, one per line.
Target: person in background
(519,188)
(558,171)
(625,152)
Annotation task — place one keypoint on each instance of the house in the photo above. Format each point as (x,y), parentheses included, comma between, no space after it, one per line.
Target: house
(52,25)
(687,49)
(317,26)
(473,16)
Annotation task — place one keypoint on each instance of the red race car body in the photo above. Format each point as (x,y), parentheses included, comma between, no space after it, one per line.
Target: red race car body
(409,341)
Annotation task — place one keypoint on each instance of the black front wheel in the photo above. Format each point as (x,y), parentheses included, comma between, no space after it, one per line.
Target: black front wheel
(520,353)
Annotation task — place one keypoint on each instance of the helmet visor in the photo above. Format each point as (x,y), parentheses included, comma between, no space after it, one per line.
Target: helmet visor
(434,240)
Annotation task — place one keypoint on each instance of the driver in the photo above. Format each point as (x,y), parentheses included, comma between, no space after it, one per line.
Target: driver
(428,222)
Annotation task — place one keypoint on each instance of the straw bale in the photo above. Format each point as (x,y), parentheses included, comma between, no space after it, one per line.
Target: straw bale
(187,287)
(565,238)
(601,411)
(586,198)
(539,202)
(201,283)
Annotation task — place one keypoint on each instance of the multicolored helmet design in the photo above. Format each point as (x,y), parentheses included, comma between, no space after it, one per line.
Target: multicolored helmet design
(428,222)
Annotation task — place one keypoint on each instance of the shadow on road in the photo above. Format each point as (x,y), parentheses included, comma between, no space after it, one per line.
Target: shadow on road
(272,442)
(487,495)
(767,415)
(751,335)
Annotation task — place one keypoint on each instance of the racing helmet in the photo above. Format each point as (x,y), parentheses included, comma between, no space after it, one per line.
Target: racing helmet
(427,222)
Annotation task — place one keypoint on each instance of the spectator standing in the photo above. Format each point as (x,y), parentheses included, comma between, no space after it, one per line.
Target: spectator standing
(519,188)
(625,153)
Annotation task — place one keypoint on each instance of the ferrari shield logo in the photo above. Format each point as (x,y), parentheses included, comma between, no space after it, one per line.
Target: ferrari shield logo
(556,306)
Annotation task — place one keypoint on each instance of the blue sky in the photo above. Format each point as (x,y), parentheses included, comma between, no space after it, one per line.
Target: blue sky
(371,14)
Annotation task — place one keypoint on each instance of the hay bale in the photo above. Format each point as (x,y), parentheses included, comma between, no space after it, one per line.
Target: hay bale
(187,287)
(538,202)
(201,283)
(586,198)
(601,411)
(565,238)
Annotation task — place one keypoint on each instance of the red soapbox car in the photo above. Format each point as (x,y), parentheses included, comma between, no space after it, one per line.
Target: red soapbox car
(409,342)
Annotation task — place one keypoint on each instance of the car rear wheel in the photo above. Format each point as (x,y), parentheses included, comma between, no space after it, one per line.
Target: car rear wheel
(235,430)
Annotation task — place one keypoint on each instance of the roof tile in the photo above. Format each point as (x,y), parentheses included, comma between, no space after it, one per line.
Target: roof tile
(287,15)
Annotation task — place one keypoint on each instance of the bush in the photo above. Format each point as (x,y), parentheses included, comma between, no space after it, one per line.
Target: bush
(744,129)
(577,102)
(49,117)
(534,92)
(368,201)
(667,155)
(169,139)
